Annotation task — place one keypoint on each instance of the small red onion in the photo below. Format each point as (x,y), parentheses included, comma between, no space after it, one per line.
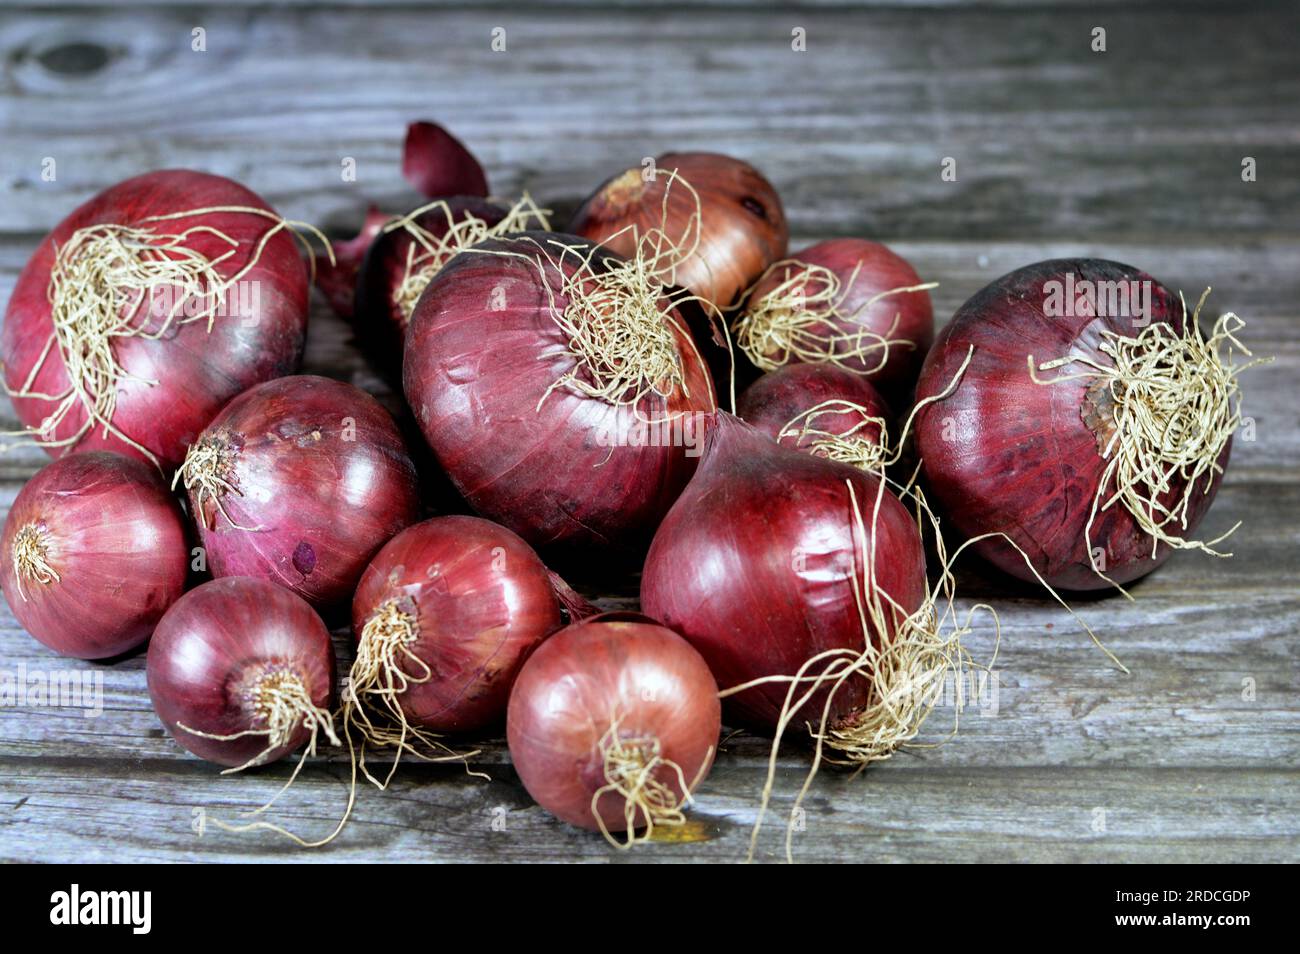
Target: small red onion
(241,672)
(94,552)
(300,481)
(1040,454)
(147,309)
(437,164)
(822,409)
(552,383)
(848,302)
(729,218)
(758,562)
(612,724)
(444,617)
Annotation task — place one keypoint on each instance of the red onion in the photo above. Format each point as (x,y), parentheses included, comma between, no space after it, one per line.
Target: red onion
(412,249)
(1106,453)
(612,724)
(437,164)
(444,617)
(241,672)
(300,481)
(94,552)
(759,561)
(729,219)
(338,279)
(552,381)
(848,302)
(147,309)
(822,409)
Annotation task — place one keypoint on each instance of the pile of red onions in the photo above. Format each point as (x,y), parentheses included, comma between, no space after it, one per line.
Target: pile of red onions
(758,562)
(612,724)
(300,481)
(1037,437)
(558,389)
(847,302)
(821,409)
(241,672)
(147,309)
(444,617)
(94,552)
(719,210)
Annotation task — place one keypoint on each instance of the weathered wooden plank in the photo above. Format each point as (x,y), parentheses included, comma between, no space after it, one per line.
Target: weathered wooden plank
(1052,140)
(899,811)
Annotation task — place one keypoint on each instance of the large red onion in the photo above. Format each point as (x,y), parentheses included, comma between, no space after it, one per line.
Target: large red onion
(847,302)
(300,481)
(499,372)
(822,409)
(445,615)
(612,723)
(94,552)
(241,672)
(730,219)
(1037,459)
(150,380)
(758,561)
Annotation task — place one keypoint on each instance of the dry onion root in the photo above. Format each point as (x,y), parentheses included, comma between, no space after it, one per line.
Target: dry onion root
(864,445)
(618,314)
(630,766)
(1168,405)
(371,705)
(430,250)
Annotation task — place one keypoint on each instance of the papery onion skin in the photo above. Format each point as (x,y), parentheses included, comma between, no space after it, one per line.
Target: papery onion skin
(787,394)
(1004,454)
(482,601)
(197,370)
(323,479)
(438,164)
(879,269)
(578,680)
(744,226)
(380,321)
(338,280)
(482,351)
(108,526)
(754,565)
(214,645)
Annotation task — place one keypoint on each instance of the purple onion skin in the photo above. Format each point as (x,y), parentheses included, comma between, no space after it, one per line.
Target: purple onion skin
(881,269)
(436,163)
(753,566)
(322,504)
(1003,454)
(214,644)
(780,396)
(483,601)
(115,536)
(577,681)
(474,376)
(379,320)
(197,370)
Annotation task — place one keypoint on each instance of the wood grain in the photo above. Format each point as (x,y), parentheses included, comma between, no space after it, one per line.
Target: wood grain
(1134,154)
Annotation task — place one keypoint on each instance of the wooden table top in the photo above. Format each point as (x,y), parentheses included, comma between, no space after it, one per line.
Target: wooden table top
(1132,154)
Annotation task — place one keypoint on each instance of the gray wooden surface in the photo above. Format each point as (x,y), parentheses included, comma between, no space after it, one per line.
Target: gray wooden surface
(1134,154)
